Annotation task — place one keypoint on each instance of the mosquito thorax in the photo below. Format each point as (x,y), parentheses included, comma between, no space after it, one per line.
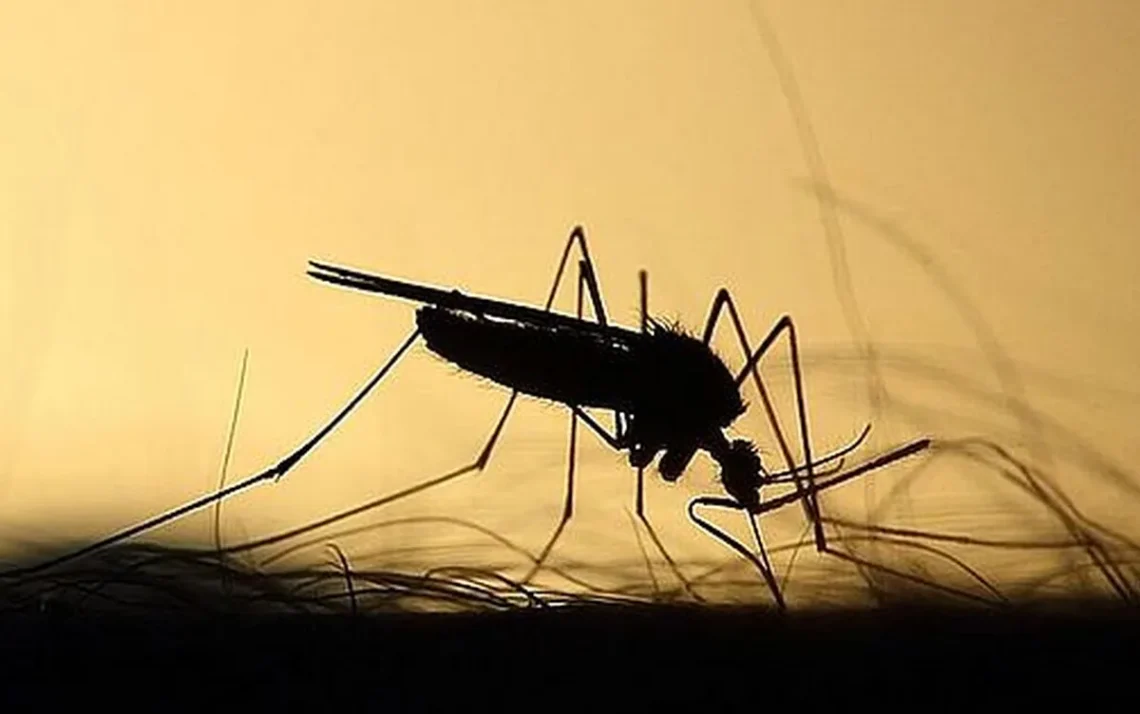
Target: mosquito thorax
(685,385)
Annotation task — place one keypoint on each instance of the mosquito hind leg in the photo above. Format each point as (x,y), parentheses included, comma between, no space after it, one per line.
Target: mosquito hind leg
(275,472)
(484,457)
(286,464)
(567,504)
(802,476)
(588,275)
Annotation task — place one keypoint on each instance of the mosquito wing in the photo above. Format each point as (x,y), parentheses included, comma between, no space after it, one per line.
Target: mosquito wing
(456,300)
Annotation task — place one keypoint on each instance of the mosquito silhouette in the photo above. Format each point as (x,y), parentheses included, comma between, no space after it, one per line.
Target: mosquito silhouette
(670,394)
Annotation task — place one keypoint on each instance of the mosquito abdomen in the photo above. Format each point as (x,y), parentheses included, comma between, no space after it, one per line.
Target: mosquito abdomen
(579,367)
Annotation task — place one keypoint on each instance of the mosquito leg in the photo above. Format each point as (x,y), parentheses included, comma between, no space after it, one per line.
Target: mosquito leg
(639,494)
(810,502)
(568,504)
(643,292)
(762,564)
(586,272)
(863,564)
(578,236)
(291,460)
(643,285)
(587,278)
(275,472)
(806,491)
(587,283)
(286,464)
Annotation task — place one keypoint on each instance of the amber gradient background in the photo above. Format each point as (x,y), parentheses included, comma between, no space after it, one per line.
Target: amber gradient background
(168,169)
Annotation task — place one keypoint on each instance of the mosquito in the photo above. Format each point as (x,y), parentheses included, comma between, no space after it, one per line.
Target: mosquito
(669,392)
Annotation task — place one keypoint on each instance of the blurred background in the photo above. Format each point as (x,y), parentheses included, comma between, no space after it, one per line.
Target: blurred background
(966,268)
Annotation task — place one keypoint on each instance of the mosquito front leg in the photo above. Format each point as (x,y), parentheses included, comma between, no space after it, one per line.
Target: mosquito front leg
(808,497)
(906,451)
(587,278)
(588,285)
(913,448)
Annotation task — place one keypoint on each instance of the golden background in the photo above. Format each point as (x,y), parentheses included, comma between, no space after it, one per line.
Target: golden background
(169,168)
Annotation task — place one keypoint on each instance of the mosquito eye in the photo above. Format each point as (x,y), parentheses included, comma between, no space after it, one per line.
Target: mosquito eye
(741,485)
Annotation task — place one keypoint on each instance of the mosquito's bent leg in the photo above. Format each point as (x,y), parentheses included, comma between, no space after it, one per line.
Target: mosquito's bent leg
(587,277)
(587,283)
(612,440)
(810,502)
(643,301)
(568,505)
(761,565)
(286,464)
(274,472)
(577,235)
(485,455)
(639,492)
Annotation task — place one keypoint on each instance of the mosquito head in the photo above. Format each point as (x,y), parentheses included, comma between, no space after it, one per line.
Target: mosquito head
(741,472)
